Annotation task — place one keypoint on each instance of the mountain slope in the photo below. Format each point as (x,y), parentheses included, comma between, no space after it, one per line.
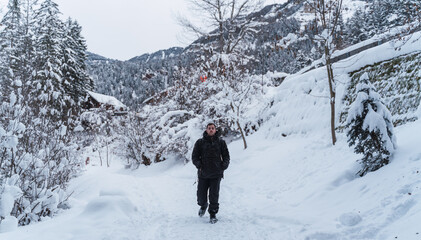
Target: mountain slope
(143,76)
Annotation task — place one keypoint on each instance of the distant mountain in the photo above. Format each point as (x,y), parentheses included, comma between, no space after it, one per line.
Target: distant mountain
(134,80)
(285,43)
(160,55)
(93,57)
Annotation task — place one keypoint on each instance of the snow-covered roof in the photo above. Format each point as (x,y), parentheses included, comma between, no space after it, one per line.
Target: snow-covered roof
(105,99)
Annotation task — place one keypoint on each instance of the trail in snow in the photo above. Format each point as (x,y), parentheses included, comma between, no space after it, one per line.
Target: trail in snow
(152,203)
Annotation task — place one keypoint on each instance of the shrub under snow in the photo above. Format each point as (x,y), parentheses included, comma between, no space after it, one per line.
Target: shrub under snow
(370,128)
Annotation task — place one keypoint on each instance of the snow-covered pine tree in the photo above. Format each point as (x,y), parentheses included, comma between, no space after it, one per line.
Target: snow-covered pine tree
(75,79)
(10,39)
(356,28)
(188,89)
(379,12)
(37,151)
(26,51)
(51,99)
(381,16)
(370,128)
(406,12)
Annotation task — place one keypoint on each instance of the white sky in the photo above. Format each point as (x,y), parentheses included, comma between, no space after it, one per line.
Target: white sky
(127,28)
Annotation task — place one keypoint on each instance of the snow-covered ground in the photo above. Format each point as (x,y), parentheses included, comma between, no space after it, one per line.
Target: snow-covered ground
(299,187)
(294,187)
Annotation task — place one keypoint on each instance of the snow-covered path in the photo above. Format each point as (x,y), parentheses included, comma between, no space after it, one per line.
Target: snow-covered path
(298,187)
(152,203)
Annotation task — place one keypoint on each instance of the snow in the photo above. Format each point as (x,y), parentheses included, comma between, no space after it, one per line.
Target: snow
(109,206)
(293,93)
(79,128)
(392,47)
(12,142)
(8,194)
(350,219)
(105,99)
(348,9)
(165,119)
(297,186)
(9,224)
(63,130)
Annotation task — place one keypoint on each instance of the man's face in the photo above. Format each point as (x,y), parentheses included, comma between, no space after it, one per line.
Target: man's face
(211,130)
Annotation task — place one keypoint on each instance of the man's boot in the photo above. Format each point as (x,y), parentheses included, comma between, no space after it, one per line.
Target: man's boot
(213,218)
(202,210)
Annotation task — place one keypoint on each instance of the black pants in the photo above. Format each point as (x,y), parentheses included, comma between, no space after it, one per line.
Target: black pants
(211,185)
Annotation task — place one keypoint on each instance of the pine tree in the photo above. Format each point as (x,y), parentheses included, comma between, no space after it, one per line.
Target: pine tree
(26,51)
(407,11)
(36,149)
(75,79)
(10,39)
(51,98)
(370,128)
(355,28)
(379,12)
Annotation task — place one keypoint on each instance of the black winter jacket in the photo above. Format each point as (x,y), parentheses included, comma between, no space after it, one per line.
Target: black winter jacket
(210,156)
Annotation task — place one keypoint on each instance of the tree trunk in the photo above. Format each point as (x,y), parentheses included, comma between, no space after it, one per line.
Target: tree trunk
(100,158)
(239,125)
(108,160)
(332,91)
(242,135)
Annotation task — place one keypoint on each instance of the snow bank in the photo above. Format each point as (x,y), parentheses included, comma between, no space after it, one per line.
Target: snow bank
(301,102)
(8,194)
(8,224)
(109,205)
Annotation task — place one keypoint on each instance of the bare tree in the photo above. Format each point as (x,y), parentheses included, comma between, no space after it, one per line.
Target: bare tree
(224,48)
(327,16)
(237,94)
(228,20)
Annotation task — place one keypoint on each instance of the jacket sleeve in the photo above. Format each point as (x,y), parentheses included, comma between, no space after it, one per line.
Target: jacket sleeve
(197,155)
(225,155)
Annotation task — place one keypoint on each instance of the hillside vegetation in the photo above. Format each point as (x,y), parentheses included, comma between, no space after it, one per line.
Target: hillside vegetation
(399,83)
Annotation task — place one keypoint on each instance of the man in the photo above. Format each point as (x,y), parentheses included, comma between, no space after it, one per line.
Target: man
(211,158)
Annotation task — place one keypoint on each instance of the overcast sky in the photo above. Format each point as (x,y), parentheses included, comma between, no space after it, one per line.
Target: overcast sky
(122,29)
(127,28)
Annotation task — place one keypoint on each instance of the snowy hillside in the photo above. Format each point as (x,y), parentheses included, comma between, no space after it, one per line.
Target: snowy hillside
(301,102)
(291,183)
(295,188)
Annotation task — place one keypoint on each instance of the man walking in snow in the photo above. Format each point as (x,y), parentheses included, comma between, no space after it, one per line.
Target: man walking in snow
(211,158)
